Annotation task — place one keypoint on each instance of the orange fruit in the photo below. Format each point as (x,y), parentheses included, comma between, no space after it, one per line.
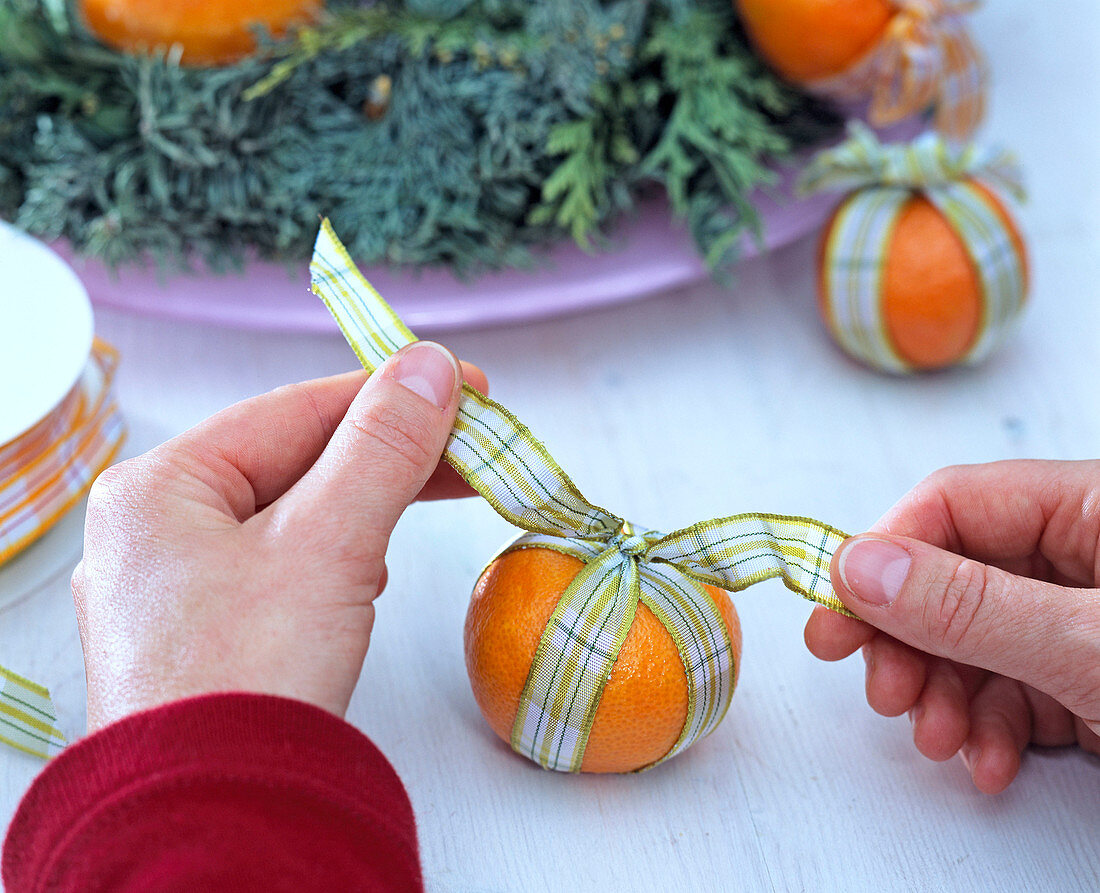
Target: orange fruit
(210,32)
(807,40)
(644,704)
(931,294)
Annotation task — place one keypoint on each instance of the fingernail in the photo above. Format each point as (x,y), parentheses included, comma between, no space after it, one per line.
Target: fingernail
(915,715)
(428,370)
(970,756)
(874,570)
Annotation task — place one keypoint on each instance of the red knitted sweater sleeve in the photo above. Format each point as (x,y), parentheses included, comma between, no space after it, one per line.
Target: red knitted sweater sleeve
(237,792)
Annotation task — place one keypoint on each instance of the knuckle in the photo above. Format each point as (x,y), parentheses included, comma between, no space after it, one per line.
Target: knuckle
(122,496)
(303,400)
(77,582)
(940,478)
(112,481)
(937,486)
(115,488)
(953,618)
(404,437)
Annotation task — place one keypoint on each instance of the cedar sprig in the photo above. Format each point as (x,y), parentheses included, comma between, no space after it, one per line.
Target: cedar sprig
(478,159)
(342,29)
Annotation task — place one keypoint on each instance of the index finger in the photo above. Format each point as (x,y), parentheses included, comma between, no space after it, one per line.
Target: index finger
(254,451)
(1027,517)
(1033,518)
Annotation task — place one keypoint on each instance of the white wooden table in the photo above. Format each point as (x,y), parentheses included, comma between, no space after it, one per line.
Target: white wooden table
(750,407)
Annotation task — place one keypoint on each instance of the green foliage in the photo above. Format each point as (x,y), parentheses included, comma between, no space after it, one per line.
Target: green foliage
(720,129)
(446,30)
(509,125)
(701,116)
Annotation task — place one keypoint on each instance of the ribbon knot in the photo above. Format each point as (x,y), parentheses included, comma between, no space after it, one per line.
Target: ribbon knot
(629,543)
(926,164)
(624,566)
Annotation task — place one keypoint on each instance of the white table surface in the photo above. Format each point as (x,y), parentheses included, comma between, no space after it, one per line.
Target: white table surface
(749,407)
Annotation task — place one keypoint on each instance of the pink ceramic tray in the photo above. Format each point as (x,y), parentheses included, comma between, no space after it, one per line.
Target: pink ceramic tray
(650,252)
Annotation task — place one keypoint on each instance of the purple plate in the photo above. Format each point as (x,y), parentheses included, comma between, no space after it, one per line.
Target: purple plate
(649,252)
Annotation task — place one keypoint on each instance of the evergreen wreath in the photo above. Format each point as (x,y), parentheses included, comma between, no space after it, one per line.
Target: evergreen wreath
(461,133)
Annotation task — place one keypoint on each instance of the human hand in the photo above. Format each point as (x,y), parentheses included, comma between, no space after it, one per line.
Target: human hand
(246,553)
(982,613)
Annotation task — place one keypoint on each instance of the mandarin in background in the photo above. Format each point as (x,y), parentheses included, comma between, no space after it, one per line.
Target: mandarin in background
(210,32)
(645,702)
(932,305)
(808,40)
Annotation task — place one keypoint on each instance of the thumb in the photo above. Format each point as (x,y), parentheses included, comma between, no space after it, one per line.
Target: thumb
(1043,635)
(383,451)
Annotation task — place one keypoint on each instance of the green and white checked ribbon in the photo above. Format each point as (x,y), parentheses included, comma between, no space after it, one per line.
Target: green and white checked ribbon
(880,180)
(28,721)
(503,461)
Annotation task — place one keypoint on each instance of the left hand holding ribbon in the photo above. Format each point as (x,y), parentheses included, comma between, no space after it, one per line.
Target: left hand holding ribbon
(245,554)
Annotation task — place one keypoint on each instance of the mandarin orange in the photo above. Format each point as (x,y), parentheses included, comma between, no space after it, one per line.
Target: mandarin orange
(210,32)
(931,297)
(644,704)
(808,40)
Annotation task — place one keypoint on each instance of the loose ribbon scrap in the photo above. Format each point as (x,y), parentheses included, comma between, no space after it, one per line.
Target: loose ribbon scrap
(43,473)
(624,564)
(880,180)
(925,59)
(28,721)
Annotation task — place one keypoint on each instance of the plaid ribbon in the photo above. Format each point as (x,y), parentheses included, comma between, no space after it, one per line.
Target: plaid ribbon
(43,473)
(27,717)
(503,461)
(880,181)
(926,58)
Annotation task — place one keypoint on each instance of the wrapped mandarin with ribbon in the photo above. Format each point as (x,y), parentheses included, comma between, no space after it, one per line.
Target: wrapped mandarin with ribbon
(905,56)
(592,644)
(921,265)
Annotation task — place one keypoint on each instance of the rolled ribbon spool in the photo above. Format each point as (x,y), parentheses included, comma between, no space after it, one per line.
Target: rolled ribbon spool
(59,427)
(48,469)
(984,287)
(623,564)
(43,474)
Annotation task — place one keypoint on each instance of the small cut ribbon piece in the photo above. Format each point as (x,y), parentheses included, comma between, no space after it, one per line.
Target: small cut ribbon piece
(624,564)
(926,59)
(28,721)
